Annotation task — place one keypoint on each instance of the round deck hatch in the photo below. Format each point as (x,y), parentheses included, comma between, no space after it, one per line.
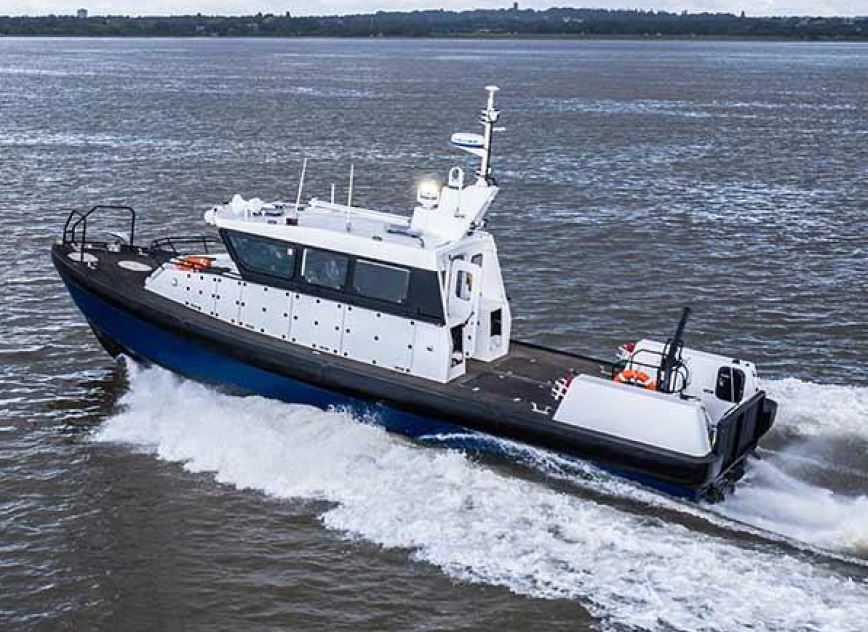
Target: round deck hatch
(135,266)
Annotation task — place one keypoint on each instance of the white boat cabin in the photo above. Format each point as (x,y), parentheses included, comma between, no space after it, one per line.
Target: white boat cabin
(420,294)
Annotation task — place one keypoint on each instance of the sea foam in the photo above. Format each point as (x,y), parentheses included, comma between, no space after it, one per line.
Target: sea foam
(479,524)
(773,499)
(821,409)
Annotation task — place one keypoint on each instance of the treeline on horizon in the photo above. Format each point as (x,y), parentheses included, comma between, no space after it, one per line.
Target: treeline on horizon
(439,23)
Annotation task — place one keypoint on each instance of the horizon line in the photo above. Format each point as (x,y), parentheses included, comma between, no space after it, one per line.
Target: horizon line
(73,13)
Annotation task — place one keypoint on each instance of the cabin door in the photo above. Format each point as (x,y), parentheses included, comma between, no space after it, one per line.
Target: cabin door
(465,285)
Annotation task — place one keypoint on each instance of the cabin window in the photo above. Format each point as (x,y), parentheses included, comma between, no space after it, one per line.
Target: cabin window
(730,384)
(464,285)
(426,295)
(381,281)
(325,269)
(496,323)
(262,255)
(409,292)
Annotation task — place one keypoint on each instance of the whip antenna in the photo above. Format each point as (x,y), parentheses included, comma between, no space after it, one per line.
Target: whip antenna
(300,185)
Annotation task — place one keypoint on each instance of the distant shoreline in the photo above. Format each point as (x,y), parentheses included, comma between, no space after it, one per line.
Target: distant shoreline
(514,23)
(467,36)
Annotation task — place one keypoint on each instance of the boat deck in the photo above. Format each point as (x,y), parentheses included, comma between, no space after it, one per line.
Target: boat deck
(520,382)
(527,374)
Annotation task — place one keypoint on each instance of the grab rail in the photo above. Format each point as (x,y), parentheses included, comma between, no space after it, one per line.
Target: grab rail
(77,219)
(681,371)
(166,244)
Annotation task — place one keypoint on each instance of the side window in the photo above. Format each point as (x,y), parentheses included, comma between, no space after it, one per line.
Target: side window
(380,281)
(261,255)
(326,269)
(464,285)
(730,384)
(426,293)
(496,322)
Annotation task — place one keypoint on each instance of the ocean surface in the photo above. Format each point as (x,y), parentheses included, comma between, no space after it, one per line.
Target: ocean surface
(637,177)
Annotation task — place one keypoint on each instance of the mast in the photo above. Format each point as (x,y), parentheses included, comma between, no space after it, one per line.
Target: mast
(480,144)
(488,118)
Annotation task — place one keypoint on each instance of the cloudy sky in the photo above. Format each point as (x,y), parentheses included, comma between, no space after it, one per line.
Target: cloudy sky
(321,7)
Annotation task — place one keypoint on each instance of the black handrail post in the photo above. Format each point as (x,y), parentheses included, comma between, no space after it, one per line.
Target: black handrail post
(132,226)
(70,228)
(176,244)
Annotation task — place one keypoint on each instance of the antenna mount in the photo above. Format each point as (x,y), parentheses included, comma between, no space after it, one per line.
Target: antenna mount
(480,144)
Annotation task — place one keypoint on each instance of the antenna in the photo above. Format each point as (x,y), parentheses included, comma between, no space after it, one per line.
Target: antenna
(350,192)
(333,193)
(480,144)
(300,184)
(489,118)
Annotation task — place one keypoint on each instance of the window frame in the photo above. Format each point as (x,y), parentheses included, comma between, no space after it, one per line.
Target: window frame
(243,265)
(348,268)
(424,302)
(408,272)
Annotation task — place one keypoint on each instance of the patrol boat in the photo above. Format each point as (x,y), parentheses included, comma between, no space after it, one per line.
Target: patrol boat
(404,319)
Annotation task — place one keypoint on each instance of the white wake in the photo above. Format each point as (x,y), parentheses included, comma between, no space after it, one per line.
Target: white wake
(821,409)
(774,500)
(480,525)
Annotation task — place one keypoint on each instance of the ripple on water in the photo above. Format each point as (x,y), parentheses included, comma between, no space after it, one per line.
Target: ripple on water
(635,177)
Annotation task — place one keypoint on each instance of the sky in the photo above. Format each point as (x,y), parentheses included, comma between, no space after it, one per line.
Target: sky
(331,7)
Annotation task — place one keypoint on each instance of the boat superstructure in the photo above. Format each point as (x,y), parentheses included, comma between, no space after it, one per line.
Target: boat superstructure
(420,294)
(406,317)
